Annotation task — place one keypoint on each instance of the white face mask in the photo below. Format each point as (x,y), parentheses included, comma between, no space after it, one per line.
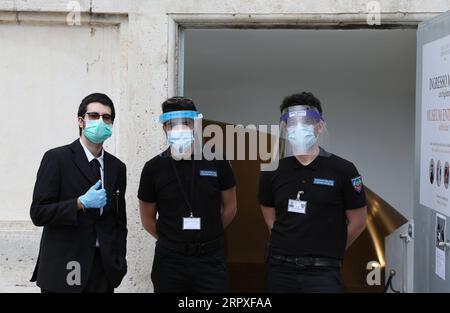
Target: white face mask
(302,137)
(180,141)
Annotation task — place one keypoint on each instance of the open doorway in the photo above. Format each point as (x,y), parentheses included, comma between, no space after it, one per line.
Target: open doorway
(365,80)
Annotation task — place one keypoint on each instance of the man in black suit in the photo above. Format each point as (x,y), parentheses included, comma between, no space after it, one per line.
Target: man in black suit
(79,199)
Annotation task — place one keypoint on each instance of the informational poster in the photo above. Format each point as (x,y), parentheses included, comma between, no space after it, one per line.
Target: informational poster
(435,126)
(440,249)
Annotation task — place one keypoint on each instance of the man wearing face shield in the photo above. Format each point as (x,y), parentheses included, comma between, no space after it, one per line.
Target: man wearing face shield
(79,199)
(195,199)
(313,204)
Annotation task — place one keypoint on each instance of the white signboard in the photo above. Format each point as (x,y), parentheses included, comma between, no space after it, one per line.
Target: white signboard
(435,126)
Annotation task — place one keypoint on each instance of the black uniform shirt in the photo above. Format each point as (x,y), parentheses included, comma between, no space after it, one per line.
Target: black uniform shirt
(159,184)
(331,185)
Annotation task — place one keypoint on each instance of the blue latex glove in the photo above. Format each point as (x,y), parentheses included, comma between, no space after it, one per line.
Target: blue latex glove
(94,197)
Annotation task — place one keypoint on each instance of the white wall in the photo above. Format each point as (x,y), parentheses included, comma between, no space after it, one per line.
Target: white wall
(365,80)
(45,71)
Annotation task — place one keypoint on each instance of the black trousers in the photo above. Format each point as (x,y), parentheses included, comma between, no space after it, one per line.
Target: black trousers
(177,272)
(97,282)
(284,277)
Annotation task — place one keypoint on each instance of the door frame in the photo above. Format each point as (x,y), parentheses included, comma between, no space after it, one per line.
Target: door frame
(178,23)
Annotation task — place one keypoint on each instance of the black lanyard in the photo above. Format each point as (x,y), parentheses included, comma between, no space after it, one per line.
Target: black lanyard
(180,184)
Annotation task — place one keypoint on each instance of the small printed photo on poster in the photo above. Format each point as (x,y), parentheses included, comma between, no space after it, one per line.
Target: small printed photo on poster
(438,173)
(440,230)
(440,249)
(446,175)
(431,171)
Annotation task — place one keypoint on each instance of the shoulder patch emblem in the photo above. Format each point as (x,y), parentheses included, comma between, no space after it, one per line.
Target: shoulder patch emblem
(357,183)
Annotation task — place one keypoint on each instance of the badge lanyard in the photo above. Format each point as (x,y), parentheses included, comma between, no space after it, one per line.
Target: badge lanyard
(297,205)
(191,222)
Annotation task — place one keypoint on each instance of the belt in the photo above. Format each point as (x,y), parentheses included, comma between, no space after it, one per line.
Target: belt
(193,248)
(308,261)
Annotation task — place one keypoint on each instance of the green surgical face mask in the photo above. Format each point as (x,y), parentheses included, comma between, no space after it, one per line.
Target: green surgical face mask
(97,131)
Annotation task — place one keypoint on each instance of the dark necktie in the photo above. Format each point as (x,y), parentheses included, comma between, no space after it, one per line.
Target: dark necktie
(95,165)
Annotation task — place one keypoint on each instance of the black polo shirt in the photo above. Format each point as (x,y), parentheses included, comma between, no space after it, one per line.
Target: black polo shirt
(331,185)
(159,184)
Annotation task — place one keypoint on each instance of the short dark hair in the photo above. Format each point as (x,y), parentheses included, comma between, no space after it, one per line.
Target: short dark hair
(96,97)
(304,98)
(178,104)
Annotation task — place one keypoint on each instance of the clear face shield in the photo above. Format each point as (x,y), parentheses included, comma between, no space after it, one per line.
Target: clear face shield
(183,129)
(302,131)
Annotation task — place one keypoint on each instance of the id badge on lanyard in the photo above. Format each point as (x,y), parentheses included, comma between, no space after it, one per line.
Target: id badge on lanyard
(191,223)
(297,205)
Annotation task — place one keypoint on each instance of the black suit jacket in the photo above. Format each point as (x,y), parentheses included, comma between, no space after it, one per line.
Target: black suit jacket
(70,234)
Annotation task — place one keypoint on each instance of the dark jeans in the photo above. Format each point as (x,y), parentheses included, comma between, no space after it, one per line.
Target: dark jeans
(284,277)
(177,272)
(97,282)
